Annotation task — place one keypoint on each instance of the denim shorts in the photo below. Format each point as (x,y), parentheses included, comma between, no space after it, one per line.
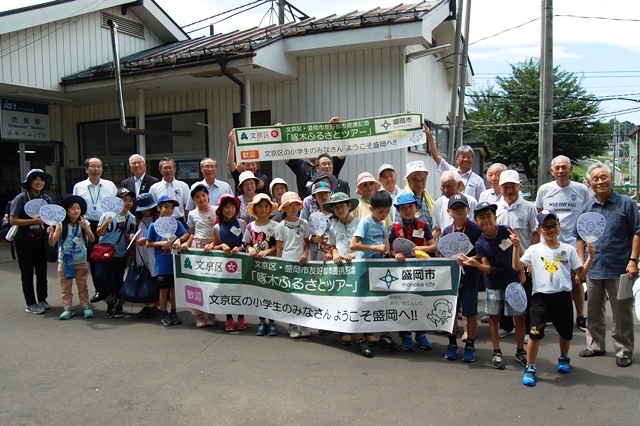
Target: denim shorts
(468,299)
(495,299)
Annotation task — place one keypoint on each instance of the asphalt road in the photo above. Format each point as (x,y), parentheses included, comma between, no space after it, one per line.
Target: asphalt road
(128,371)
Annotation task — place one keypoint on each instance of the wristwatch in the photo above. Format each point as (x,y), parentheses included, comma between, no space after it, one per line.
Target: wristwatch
(633,259)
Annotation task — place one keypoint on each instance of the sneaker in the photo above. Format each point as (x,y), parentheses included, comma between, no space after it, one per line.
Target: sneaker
(154,312)
(165,319)
(504,333)
(229,325)
(529,377)
(67,313)
(422,342)
(118,311)
(469,354)
(485,319)
(526,339)
(304,332)
(581,322)
(452,353)
(563,364)
(44,305)
(521,357)
(200,322)
(407,343)
(111,308)
(175,319)
(87,312)
(242,325)
(346,340)
(210,320)
(96,297)
(386,341)
(294,331)
(323,333)
(496,361)
(34,309)
(365,350)
(272,329)
(262,329)
(371,339)
(144,312)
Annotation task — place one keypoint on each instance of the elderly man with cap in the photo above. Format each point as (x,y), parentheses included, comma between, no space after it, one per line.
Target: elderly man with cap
(216,188)
(29,241)
(520,215)
(450,185)
(94,189)
(367,186)
(566,198)
(465,156)
(140,182)
(388,179)
(617,254)
(493,193)
(416,178)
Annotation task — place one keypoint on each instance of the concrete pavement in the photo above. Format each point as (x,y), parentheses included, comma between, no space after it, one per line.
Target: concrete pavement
(138,372)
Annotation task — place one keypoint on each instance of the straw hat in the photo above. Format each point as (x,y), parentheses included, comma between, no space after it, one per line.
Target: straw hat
(256,200)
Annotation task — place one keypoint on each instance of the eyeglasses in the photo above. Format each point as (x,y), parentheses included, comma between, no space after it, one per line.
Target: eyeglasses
(95,166)
(209,166)
(549,227)
(325,164)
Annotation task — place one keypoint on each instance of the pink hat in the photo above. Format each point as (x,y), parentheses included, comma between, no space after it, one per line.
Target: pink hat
(365,177)
(288,198)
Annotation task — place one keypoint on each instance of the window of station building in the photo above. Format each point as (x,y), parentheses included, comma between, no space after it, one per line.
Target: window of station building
(440,135)
(105,139)
(164,144)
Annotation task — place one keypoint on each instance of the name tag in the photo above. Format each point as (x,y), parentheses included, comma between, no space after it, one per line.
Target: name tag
(418,233)
(505,244)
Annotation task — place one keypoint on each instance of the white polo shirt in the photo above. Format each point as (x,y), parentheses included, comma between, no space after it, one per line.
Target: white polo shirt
(175,189)
(92,194)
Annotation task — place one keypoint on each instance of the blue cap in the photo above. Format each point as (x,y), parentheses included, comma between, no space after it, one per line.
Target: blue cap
(458,198)
(545,214)
(484,206)
(167,199)
(320,187)
(407,198)
(145,202)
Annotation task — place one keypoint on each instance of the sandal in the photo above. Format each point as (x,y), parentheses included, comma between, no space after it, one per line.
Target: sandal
(588,353)
(623,361)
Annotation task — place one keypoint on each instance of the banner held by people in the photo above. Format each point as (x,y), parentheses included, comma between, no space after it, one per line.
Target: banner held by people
(367,135)
(361,296)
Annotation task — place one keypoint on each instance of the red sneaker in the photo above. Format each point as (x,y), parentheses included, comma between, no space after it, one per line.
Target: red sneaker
(241,324)
(229,326)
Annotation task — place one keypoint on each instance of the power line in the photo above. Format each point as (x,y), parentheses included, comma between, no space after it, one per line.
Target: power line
(222,13)
(231,16)
(561,120)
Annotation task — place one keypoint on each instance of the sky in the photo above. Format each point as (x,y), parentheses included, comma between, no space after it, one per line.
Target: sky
(597,42)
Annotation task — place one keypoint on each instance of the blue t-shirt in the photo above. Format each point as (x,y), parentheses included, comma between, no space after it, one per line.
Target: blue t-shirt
(114,234)
(472,230)
(370,233)
(164,258)
(498,250)
(79,250)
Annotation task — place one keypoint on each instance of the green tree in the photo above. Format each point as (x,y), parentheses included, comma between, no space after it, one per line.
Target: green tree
(516,99)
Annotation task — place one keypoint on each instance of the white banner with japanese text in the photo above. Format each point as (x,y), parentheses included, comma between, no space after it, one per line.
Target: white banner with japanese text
(367,135)
(361,296)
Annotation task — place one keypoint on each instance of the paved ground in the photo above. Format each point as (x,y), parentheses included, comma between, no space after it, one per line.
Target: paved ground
(129,371)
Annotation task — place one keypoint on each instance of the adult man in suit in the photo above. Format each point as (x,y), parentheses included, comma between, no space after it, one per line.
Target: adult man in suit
(140,182)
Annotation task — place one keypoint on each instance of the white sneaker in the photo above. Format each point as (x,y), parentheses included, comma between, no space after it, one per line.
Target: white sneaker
(504,333)
(304,332)
(526,339)
(294,331)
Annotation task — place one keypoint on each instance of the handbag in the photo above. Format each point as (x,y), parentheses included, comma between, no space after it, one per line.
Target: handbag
(102,252)
(139,286)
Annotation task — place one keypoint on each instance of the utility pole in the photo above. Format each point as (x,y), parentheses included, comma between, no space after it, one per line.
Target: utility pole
(545,145)
(281,4)
(463,73)
(454,89)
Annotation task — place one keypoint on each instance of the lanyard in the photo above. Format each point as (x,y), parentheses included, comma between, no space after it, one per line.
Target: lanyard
(94,201)
(464,228)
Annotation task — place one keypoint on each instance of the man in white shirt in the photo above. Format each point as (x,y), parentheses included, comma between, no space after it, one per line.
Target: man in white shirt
(566,198)
(493,193)
(209,168)
(388,179)
(450,185)
(94,189)
(173,188)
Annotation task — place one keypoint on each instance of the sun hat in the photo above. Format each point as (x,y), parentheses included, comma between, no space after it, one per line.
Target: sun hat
(340,197)
(34,173)
(66,202)
(385,166)
(198,186)
(415,166)
(545,214)
(122,192)
(365,177)
(484,206)
(458,198)
(320,187)
(145,202)
(407,198)
(288,198)
(256,200)
(167,199)
(509,176)
(225,197)
(246,175)
(277,181)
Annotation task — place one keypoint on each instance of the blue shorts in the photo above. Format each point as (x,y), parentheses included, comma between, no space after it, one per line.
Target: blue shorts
(495,299)
(468,298)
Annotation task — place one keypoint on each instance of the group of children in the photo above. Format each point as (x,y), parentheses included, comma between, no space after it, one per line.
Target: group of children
(497,254)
